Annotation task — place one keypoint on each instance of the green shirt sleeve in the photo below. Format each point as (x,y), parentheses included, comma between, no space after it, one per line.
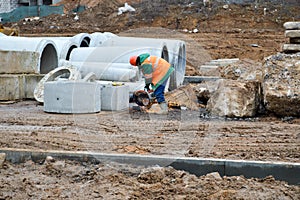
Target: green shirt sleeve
(147,71)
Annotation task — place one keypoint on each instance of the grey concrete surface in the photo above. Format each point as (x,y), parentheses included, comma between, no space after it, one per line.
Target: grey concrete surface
(72,97)
(114,98)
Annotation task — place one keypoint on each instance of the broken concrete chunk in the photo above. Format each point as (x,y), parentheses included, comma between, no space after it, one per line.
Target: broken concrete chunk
(288,48)
(235,99)
(242,70)
(2,159)
(291,25)
(292,33)
(281,84)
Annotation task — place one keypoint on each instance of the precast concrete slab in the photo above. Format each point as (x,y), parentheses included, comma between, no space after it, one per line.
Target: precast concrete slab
(292,25)
(114,97)
(72,97)
(292,33)
(11,87)
(209,70)
(18,86)
(200,79)
(288,48)
(285,171)
(19,62)
(223,62)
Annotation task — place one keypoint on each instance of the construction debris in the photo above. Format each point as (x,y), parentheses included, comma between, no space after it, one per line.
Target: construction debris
(235,99)
(281,86)
(183,96)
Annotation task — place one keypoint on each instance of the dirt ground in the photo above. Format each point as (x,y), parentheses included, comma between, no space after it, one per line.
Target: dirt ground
(223,33)
(71,180)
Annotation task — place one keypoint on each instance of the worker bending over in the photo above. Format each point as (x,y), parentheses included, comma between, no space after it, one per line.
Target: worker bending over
(156,72)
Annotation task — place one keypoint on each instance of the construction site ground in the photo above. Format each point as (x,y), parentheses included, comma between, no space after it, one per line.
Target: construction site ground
(237,32)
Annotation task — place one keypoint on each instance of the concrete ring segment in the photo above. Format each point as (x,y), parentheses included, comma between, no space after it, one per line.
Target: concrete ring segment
(73,74)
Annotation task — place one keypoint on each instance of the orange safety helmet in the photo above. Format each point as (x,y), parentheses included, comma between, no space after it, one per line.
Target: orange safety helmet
(133,60)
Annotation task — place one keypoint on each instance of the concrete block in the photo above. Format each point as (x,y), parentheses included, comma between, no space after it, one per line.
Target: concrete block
(30,82)
(292,33)
(11,87)
(114,98)
(19,62)
(291,25)
(209,70)
(18,86)
(72,97)
(222,62)
(291,48)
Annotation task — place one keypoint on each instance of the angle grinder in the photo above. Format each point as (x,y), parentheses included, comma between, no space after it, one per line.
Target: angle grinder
(142,98)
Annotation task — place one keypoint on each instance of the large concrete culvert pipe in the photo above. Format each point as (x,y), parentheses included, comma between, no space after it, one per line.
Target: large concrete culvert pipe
(174,52)
(39,54)
(115,54)
(106,71)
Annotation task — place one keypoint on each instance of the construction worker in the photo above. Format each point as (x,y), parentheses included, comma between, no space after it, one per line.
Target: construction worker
(156,72)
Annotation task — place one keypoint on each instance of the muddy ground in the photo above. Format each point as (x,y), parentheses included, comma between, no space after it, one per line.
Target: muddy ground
(25,125)
(223,33)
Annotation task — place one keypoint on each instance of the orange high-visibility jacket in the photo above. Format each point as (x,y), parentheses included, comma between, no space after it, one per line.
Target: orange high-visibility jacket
(156,70)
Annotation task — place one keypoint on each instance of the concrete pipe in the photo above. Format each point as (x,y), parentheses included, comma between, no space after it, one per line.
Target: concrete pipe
(64,47)
(46,49)
(97,39)
(139,43)
(114,54)
(106,71)
(177,56)
(176,53)
(81,39)
(69,72)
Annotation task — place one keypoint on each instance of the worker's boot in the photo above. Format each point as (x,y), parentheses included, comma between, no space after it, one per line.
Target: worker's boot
(163,108)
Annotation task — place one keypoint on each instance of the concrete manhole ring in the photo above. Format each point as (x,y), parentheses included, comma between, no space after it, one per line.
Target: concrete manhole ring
(74,74)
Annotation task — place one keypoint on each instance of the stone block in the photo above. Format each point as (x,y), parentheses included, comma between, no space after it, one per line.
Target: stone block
(291,48)
(292,25)
(281,86)
(292,33)
(235,98)
(114,98)
(19,62)
(72,97)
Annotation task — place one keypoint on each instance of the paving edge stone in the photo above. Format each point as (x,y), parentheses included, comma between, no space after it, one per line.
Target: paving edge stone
(284,171)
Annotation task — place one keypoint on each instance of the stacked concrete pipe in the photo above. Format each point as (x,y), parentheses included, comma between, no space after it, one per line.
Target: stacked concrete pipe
(174,52)
(44,54)
(123,72)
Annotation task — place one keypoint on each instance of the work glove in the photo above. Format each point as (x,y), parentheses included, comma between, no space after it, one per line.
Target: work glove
(147,87)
